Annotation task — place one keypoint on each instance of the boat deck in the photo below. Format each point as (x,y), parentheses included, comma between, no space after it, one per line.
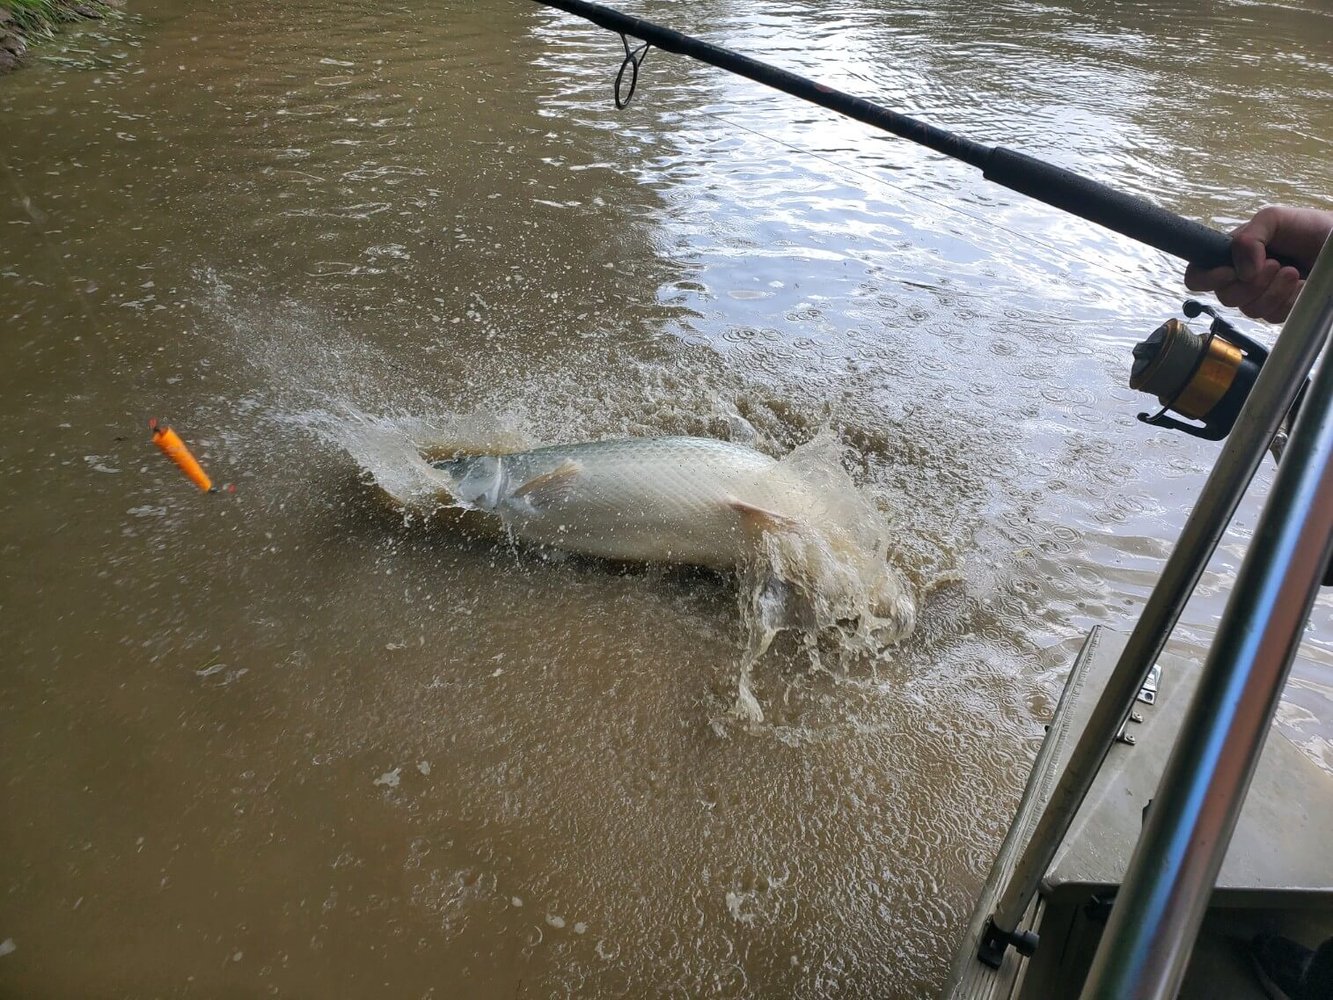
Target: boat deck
(1277,876)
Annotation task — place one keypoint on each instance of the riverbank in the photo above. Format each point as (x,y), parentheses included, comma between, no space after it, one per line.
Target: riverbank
(22,21)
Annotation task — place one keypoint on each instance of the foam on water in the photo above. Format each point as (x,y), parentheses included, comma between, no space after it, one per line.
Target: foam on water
(839,579)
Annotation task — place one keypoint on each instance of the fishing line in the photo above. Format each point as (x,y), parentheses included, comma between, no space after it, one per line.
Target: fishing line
(879,181)
(1130,215)
(634,57)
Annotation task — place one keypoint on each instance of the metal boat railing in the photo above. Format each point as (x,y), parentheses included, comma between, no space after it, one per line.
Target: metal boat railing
(1171,876)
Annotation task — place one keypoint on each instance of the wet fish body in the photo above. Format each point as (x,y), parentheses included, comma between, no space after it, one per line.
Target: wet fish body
(809,546)
(688,500)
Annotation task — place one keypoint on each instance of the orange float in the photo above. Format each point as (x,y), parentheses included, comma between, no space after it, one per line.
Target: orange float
(174,448)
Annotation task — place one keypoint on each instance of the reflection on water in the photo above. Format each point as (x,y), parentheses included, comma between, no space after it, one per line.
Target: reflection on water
(280,741)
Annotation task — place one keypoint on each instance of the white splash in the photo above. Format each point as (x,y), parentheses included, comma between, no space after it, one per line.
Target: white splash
(828,571)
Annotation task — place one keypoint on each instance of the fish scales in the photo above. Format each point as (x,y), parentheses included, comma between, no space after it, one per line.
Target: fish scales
(649,499)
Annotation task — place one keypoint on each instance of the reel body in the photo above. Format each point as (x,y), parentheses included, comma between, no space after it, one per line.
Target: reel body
(1203,377)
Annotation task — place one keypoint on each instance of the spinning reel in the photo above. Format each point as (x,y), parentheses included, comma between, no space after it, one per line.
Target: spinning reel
(1203,377)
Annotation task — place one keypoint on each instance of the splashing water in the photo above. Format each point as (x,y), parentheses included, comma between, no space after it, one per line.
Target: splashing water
(838,578)
(828,572)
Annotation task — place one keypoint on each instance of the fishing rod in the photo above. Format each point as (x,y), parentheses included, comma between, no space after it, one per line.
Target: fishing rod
(1092,200)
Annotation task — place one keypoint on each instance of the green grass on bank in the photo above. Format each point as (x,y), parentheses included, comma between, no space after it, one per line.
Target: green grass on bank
(32,15)
(41,16)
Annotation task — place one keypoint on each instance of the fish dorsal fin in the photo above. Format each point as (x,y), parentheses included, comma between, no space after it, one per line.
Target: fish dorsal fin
(550,488)
(759,519)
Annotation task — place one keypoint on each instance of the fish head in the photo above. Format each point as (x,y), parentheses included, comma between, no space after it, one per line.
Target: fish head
(474,481)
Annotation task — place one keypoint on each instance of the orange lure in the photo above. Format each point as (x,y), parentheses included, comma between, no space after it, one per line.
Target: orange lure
(174,448)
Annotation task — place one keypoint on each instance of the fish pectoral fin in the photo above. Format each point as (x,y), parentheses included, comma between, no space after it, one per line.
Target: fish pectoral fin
(552,487)
(760,519)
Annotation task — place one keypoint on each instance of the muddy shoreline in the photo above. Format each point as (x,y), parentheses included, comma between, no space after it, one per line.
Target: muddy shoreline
(22,25)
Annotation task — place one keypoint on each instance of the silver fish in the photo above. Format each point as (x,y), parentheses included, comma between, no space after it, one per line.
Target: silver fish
(694,501)
(676,499)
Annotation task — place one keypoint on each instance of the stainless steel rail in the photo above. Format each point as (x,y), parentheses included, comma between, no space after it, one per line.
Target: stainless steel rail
(1158,910)
(1259,421)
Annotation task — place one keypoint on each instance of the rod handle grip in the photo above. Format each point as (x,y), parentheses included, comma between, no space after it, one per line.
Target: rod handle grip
(1126,214)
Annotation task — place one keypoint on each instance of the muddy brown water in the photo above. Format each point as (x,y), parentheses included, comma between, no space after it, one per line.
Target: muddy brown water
(282,743)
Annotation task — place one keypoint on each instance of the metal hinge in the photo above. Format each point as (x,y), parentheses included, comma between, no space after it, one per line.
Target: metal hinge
(1148,693)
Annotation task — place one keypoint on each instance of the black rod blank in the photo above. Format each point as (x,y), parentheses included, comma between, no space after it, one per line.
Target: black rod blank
(1123,213)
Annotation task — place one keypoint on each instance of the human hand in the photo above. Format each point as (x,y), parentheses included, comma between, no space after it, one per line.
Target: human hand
(1255,283)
